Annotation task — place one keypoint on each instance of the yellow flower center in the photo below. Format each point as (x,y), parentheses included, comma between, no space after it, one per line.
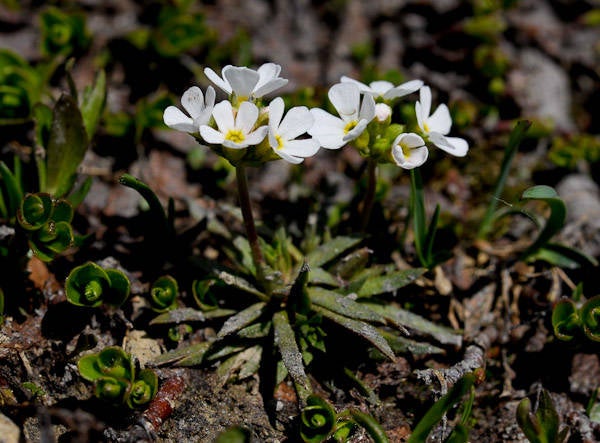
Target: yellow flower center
(425,127)
(279,142)
(406,151)
(350,126)
(235,135)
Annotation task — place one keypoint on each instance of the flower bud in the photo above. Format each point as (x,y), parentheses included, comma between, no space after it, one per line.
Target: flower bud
(383,113)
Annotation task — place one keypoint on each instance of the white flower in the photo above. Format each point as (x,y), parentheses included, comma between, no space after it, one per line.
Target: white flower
(333,132)
(283,133)
(385,90)
(409,151)
(247,83)
(198,109)
(234,130)
(438,124)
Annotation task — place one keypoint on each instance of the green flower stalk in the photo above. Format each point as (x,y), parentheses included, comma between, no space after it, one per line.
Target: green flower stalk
(91,285)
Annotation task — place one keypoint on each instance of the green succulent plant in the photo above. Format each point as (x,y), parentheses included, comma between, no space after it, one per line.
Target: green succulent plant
(91,285)
(63,33)
(116,379)
(577,316)
(163,294)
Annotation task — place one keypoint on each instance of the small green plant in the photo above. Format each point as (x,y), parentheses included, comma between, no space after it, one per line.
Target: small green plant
(319,422)
(163,294)
(91,285)
(116,378)
(541,424)
(572,317)
(63,33)
(435,414)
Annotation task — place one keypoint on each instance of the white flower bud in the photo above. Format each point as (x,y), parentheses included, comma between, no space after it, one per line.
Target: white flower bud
(382,112)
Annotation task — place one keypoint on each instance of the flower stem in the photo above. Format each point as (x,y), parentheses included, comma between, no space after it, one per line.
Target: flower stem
(370,195)
(244,196)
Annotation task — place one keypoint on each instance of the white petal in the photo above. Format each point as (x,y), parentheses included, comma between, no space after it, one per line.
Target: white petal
(361,86)
(234,145)
(367,109)
(327,129)
(246,117)
(193,101)
(410,140)
(461,147)
(296,122)
(255,137)
(440,121)
(276,108)
(421,119)
(403,89)
(218,81)
(449,144)
(425,99)
(176,119)
(211,136)
(223,114)
(273,142)
(356,131)
(380,87)
(242,80)
(209,101)
(288,158)
(269,87)
(345,97)
(301,148)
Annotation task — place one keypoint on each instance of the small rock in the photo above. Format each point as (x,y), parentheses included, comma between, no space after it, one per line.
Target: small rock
(8,430)
(541,88)
(138,344)
(585,373)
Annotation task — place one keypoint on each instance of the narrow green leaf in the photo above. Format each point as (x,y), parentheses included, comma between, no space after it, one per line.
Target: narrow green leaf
(78,195)
(319,276)
(430,237)
(556,220)
(402,345)
(563,256)
(439,408)
(185,315)
(242,319)
(343,305)
(516,136)
(14,193)
(330,250)
(403,318)
(240,283)
(285,340)
(193,355)
(361,328)
(417,212)
(390,282)
(368,422)
(93,104)
(66,147)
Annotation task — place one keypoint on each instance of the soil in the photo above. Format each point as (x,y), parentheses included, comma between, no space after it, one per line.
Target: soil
(500,307)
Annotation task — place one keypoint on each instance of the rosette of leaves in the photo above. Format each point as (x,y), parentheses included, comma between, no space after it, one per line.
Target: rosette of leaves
(163,294)
(91,285)
(304,294)
(48,224)
(115,378)
(319,422)
(63,33)
(573,317)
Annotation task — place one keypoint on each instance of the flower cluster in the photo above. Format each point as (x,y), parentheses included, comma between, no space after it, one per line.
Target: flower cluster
(244,131)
